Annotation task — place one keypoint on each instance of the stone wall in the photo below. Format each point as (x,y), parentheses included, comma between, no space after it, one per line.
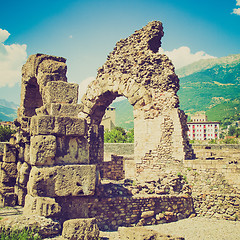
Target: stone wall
(114,169)
(219,206)
(128,148)
(122,149)
(130,211)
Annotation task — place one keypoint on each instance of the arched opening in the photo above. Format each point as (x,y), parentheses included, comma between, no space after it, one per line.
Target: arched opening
(118,124)
(33,98)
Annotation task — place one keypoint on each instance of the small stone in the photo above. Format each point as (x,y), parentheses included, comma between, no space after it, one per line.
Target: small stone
(147,214)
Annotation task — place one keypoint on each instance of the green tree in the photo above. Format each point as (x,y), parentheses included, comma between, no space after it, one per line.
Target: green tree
(130,136)
(118,135)
(5,133)
(231,130)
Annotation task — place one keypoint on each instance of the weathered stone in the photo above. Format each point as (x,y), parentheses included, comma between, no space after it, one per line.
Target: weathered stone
(43,149)
(142,233)
(147,214)
(21,192)
(9,154)
(8,199)
(80,229)
(72,150)
(60,126)
(42,206)
(61,92)
(68,180)
(8,173)
(60,109)
(23,174)
(46,226)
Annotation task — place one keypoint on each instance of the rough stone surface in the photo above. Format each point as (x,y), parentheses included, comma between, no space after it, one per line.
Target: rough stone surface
(60,126)
(46,226)
(42,206)
(140,233)
(80,229)
(60,109)
(72,150)
(136,70)
(61,92)
(68,180)
(43,150)
(9,153)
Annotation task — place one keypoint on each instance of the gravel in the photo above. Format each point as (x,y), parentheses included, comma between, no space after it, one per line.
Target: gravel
(198,228)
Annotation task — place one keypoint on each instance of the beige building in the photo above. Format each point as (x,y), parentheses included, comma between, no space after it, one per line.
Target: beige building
(201,129)
(109,118)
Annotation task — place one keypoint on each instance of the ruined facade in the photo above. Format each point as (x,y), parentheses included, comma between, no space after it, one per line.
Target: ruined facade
(147,79)
(59,142)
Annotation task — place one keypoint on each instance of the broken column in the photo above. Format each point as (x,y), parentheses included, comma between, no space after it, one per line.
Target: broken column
(55,162)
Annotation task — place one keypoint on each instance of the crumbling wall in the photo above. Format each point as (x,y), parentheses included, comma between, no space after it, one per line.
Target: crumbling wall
(51,140)
(136,70)
(59,143)
(114,169)
(8,174)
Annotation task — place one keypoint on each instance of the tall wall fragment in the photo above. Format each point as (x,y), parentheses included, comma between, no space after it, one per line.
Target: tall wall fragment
(147,79)
(51,138)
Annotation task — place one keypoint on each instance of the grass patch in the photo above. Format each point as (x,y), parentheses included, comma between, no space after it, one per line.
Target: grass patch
(25,234)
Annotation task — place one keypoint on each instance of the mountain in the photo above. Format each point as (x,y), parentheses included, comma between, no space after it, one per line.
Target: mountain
(227,109)
(207,63)
(207,83)
(124,114)
(211,85)
(8,110)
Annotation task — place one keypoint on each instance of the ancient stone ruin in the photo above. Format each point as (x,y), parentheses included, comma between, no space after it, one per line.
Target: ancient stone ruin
(53,167)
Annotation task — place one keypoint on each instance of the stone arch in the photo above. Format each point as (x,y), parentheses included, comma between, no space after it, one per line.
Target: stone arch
(37,72)
(136,70)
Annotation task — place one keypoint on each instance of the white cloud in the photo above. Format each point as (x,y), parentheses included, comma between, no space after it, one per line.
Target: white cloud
(83,86)
(4,34)
(237,10)
(183,56)
(12,57)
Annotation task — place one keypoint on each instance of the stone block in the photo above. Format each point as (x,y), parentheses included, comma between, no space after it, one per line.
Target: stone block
(61,92)
(147,214)
(142,233)
(9,199)
(43,150)
(21,192)
(67,180)
(9,154)
(8,173)
(80,229)
(46,226)
(44,125)
(72,150)
(74,207)
(41,206)
(72,126)
(23,174)
(59,126)
(60,109)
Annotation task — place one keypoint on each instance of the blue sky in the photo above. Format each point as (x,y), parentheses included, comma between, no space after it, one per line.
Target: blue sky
(85,32)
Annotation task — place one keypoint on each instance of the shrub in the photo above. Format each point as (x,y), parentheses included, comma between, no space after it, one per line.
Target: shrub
(25,234)
(5,133)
